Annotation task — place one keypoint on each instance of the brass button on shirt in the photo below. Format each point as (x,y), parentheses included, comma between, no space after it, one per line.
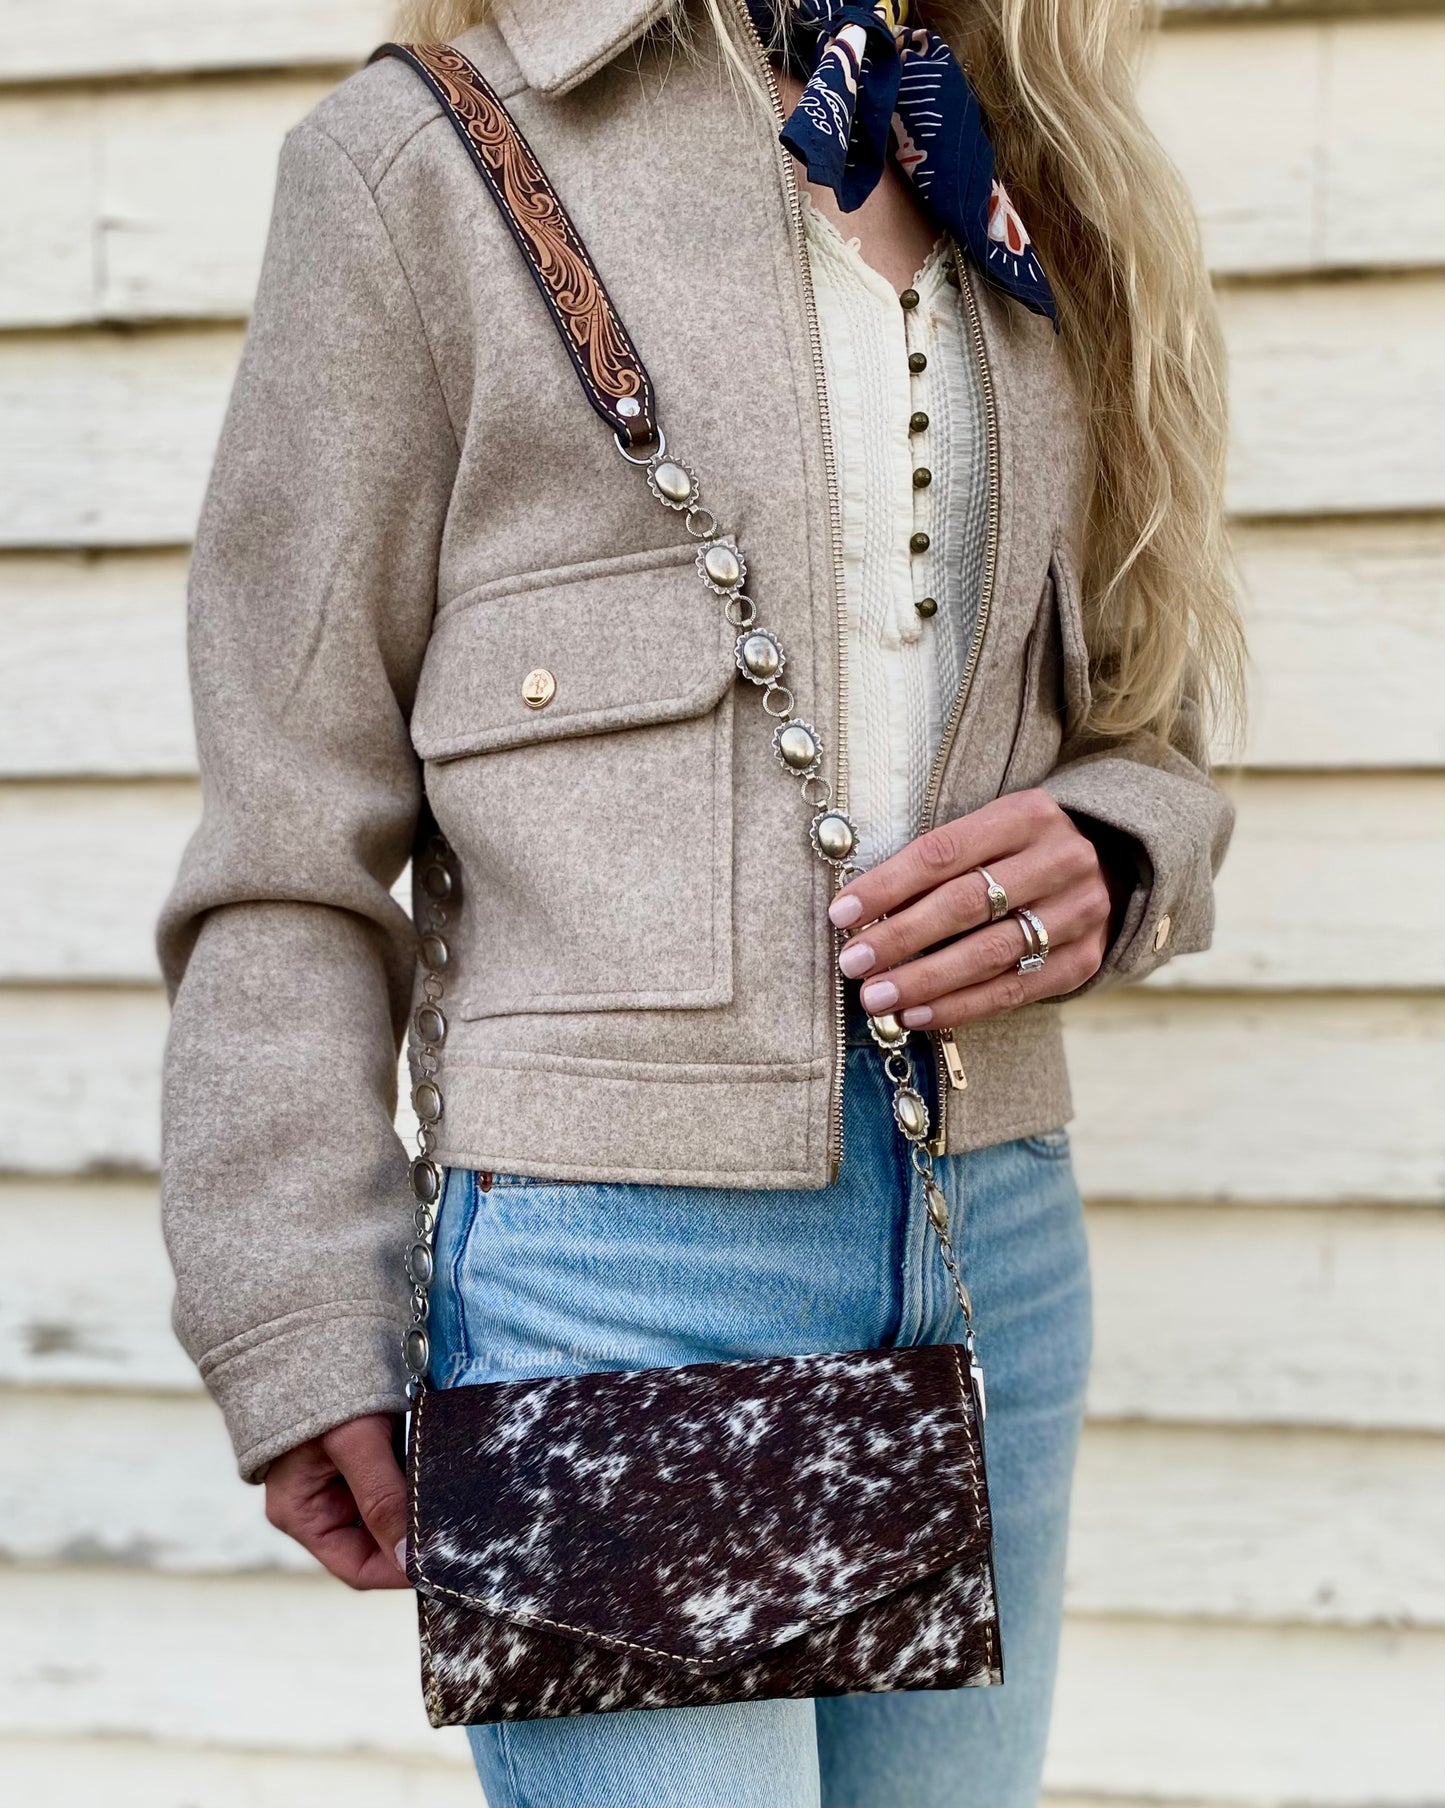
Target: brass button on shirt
(911,614)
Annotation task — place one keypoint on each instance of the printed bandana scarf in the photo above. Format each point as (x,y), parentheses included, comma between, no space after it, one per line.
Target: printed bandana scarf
(869,76)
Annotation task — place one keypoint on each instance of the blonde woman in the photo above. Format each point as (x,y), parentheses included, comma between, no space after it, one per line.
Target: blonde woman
(924,303)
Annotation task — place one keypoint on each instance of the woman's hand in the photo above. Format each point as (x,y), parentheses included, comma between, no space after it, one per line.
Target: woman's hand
(935,901)
(343,1496)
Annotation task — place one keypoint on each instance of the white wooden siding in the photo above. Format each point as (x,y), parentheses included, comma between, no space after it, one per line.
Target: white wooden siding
(1257,1582)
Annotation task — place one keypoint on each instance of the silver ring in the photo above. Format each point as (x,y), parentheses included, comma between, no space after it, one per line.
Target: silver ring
(997,896)
(1036,941)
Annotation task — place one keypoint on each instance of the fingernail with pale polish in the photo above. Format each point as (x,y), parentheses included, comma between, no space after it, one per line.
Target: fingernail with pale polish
(400,1554)
(844,911)
(918,1017)
(882,995)
(855,960)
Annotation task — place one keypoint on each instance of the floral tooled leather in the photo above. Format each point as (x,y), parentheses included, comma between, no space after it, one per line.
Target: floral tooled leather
(598,343)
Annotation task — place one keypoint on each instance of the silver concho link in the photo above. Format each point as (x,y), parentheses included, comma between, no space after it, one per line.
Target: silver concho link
(760,658)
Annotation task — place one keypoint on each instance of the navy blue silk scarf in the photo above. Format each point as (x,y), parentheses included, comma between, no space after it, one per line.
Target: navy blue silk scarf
(872,83)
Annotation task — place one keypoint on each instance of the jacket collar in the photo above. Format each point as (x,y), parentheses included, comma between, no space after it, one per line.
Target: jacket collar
(558,44)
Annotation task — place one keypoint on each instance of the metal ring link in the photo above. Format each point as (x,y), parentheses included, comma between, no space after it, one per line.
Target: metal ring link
(820,798)
(690,520)
(778,715)
(745,616)
(898,1066)
(922,1159)
(653,451)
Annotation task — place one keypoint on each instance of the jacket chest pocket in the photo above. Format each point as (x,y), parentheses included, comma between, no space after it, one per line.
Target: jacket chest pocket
(578,740)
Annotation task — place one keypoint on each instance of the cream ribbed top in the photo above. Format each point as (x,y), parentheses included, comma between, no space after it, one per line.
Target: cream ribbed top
(904,668)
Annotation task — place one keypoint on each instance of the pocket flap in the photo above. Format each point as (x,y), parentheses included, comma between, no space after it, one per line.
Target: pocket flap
(636,642)
(698,1515)
(1078,689)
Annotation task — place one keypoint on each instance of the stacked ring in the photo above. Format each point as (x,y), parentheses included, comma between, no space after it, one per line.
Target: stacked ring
(1036,940)
(997,896)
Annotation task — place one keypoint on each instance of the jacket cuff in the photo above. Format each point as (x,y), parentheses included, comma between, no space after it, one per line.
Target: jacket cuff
(1180,826)
(293,1379)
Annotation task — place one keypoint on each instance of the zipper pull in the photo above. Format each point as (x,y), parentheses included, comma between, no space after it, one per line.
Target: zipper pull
(953,1061)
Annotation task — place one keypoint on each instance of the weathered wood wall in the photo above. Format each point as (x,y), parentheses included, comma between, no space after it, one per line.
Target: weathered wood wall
(1257,1588)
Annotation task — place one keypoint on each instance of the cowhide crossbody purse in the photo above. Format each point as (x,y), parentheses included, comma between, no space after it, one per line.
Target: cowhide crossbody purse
(814,1525)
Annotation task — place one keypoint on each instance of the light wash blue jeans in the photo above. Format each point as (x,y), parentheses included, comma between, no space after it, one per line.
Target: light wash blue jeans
(541,1278)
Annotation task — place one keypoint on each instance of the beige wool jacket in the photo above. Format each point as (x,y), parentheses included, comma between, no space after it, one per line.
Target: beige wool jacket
(412,507)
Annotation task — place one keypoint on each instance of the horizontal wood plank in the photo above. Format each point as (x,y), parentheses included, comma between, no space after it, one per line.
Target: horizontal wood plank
(54,838)
(281,1663)
(100,1318)
(140,204)
(152,203)
(93,666)
(136,1481)
(1251,1098)
(163,37)
(1192,1305)
(1248,1715)
(1276,1099)
(146,37)
(1346,640)
(109,436)
(1263,1524)
(145,1773)
(290,1665)
(1346,631)
(1335,396)
(1292,910)
(1325,1527)
(1205,1315)
(1336,407)
(1288,135)
(80,1080)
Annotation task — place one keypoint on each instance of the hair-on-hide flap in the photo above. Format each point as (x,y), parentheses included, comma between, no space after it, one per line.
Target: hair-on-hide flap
(808,1526)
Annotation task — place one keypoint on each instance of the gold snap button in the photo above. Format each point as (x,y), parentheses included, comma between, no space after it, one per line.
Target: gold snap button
(1161,932)
(539,687)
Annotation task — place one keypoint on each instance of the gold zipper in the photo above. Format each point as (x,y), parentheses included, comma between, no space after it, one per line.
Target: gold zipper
(949,1062)
(835,525)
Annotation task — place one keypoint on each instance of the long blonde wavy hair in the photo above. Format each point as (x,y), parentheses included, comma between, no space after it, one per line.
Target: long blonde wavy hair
(1116,232)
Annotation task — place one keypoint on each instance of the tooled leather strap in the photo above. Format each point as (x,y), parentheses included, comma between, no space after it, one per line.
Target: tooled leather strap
(613,376)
